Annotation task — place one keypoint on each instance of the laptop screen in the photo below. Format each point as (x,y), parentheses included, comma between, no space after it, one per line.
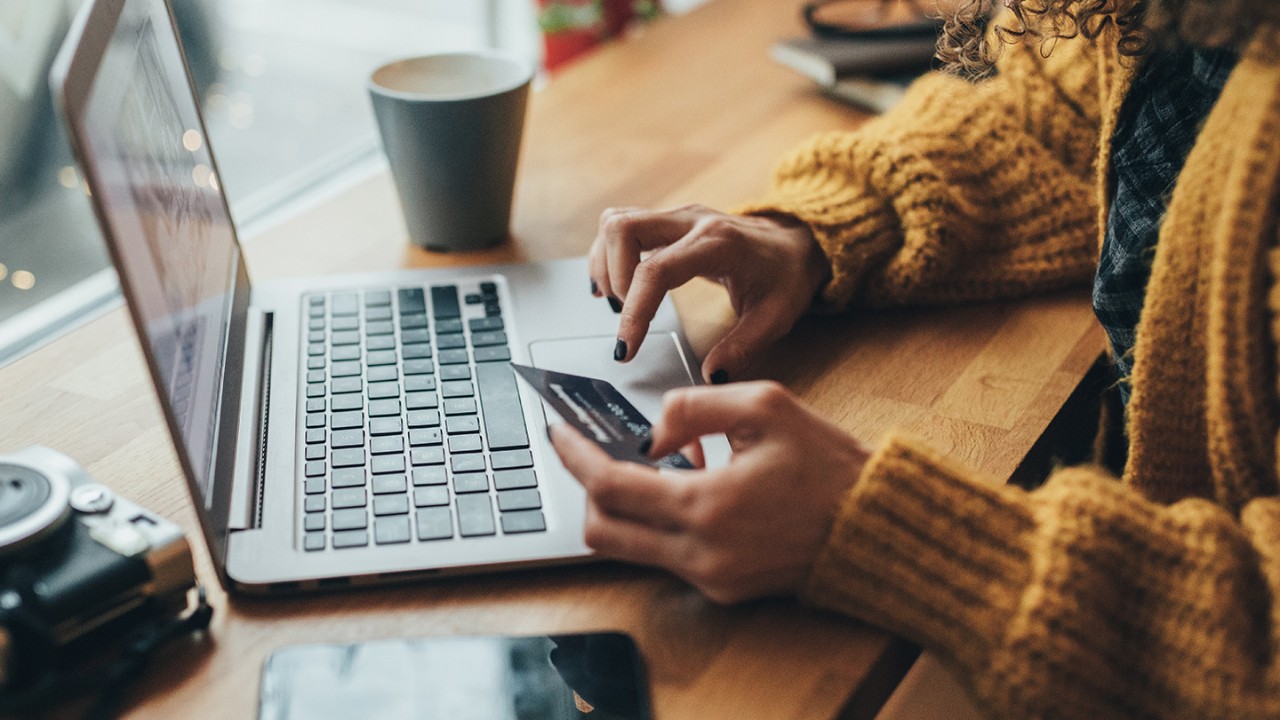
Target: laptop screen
(160,197)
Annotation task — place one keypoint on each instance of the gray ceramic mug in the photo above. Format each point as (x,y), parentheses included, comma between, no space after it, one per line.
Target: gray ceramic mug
(451,127)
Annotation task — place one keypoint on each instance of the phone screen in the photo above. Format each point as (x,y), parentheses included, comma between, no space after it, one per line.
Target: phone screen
(594,676)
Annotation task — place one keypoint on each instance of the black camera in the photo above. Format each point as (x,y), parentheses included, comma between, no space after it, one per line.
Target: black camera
(77,563)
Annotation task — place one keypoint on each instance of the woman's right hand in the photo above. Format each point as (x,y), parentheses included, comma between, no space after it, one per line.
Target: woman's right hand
(771,267)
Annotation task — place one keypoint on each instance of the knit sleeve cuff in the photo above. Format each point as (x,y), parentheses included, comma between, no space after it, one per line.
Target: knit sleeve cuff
(923,550)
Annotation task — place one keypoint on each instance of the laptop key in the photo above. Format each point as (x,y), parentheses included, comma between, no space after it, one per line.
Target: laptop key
(385,427)
(511,459)
(472,462)
(411,300)
(389,484)
(347,498)
(350,539)
(344,353)
(391,530)
(424,418)
(470,482)
(485,324)
(374,314)
(379,328)
(444,302)
(315,376)
(456,388)
(315,405)
(375,298)
(475,515)
(450,342)
(429,476)
(346,368)
(315,452)
(425,436)
(386,445)
(455,372)
(315,363)
(421,400)
(315,468)
(380,357)
(350,519)
(416,351)
(427,456)
(489,287)
(315,390)
(349,457)
(425,383)
(431,496)
(346,420)
(411,322)
(514,479)
(349,401)
(345,303)
(347,477)
(383,390)
(500,399)
(465,444)
(416,335)
(315,435)
(345,337)
(342,385)
(347,438)
(315,350)
(315,420)
(314,503)
(434,523)
(452,357)
(382,373)
(383,464)
(383,408)
(313,522)
(523,522)
(496,353)
(482,339)
(313,541)
(462,424)
(460,406)
(390,505)
(447,327)
(418,367)
(313,486)
(519,500)
(380,342)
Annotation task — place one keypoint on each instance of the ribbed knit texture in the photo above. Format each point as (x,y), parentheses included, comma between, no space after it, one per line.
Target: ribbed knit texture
(1152,595)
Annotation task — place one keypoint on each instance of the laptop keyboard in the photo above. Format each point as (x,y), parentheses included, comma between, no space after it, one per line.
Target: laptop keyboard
(413,426)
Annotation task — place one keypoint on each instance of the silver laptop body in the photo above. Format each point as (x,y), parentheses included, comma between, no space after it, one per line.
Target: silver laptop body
(234,362)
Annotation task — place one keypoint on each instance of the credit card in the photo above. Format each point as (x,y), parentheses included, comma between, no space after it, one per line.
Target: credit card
(597,410)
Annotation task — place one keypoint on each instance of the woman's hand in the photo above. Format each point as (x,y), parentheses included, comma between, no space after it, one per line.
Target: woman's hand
(749,529)
(772,268)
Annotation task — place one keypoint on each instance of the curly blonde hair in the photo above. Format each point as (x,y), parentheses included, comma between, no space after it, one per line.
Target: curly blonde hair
(965,46)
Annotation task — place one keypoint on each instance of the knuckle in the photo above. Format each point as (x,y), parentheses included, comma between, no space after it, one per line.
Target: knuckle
(618,224)
(652,270)
(675,404)
(770,396)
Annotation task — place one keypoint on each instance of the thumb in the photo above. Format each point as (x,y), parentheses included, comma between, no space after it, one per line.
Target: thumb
(756,328)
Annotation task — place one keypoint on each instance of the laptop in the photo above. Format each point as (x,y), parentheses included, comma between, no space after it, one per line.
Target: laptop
(332,430)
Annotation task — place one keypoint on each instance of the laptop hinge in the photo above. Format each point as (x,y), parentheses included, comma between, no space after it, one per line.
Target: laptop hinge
(251,450)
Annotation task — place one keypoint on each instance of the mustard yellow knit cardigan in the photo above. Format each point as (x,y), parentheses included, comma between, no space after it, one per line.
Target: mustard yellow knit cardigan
(1152,595)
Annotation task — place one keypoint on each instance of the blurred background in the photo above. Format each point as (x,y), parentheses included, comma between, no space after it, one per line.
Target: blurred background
(282,84)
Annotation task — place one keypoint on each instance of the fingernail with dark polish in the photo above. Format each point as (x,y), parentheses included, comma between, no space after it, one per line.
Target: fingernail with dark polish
(595,289)
(620,350)
(719,377)
(615,303)
(646,445)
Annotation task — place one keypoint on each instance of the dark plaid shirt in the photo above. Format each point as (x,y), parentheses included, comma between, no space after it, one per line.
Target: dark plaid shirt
(1170,97)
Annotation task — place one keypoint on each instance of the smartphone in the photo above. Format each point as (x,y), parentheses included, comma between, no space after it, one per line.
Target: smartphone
(594,676)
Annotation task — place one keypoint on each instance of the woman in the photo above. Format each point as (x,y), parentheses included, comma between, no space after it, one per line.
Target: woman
(1131,144)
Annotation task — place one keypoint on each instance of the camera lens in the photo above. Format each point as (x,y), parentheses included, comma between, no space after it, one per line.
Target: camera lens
(32,505)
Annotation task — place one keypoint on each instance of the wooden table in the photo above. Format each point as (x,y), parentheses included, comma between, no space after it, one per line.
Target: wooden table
(689,110)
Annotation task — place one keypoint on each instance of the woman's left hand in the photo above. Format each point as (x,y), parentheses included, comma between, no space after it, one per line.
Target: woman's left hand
(749,529)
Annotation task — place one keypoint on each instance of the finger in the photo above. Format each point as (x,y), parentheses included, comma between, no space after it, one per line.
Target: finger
(756,329)
(597,258)
(620,538)
(743,411)
(660,273)
(693,452)
(631,232)
(629,490)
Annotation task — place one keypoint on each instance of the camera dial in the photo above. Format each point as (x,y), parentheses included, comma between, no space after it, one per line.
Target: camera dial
(33,505)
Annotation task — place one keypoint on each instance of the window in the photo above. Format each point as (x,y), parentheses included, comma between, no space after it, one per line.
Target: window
(282,83)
